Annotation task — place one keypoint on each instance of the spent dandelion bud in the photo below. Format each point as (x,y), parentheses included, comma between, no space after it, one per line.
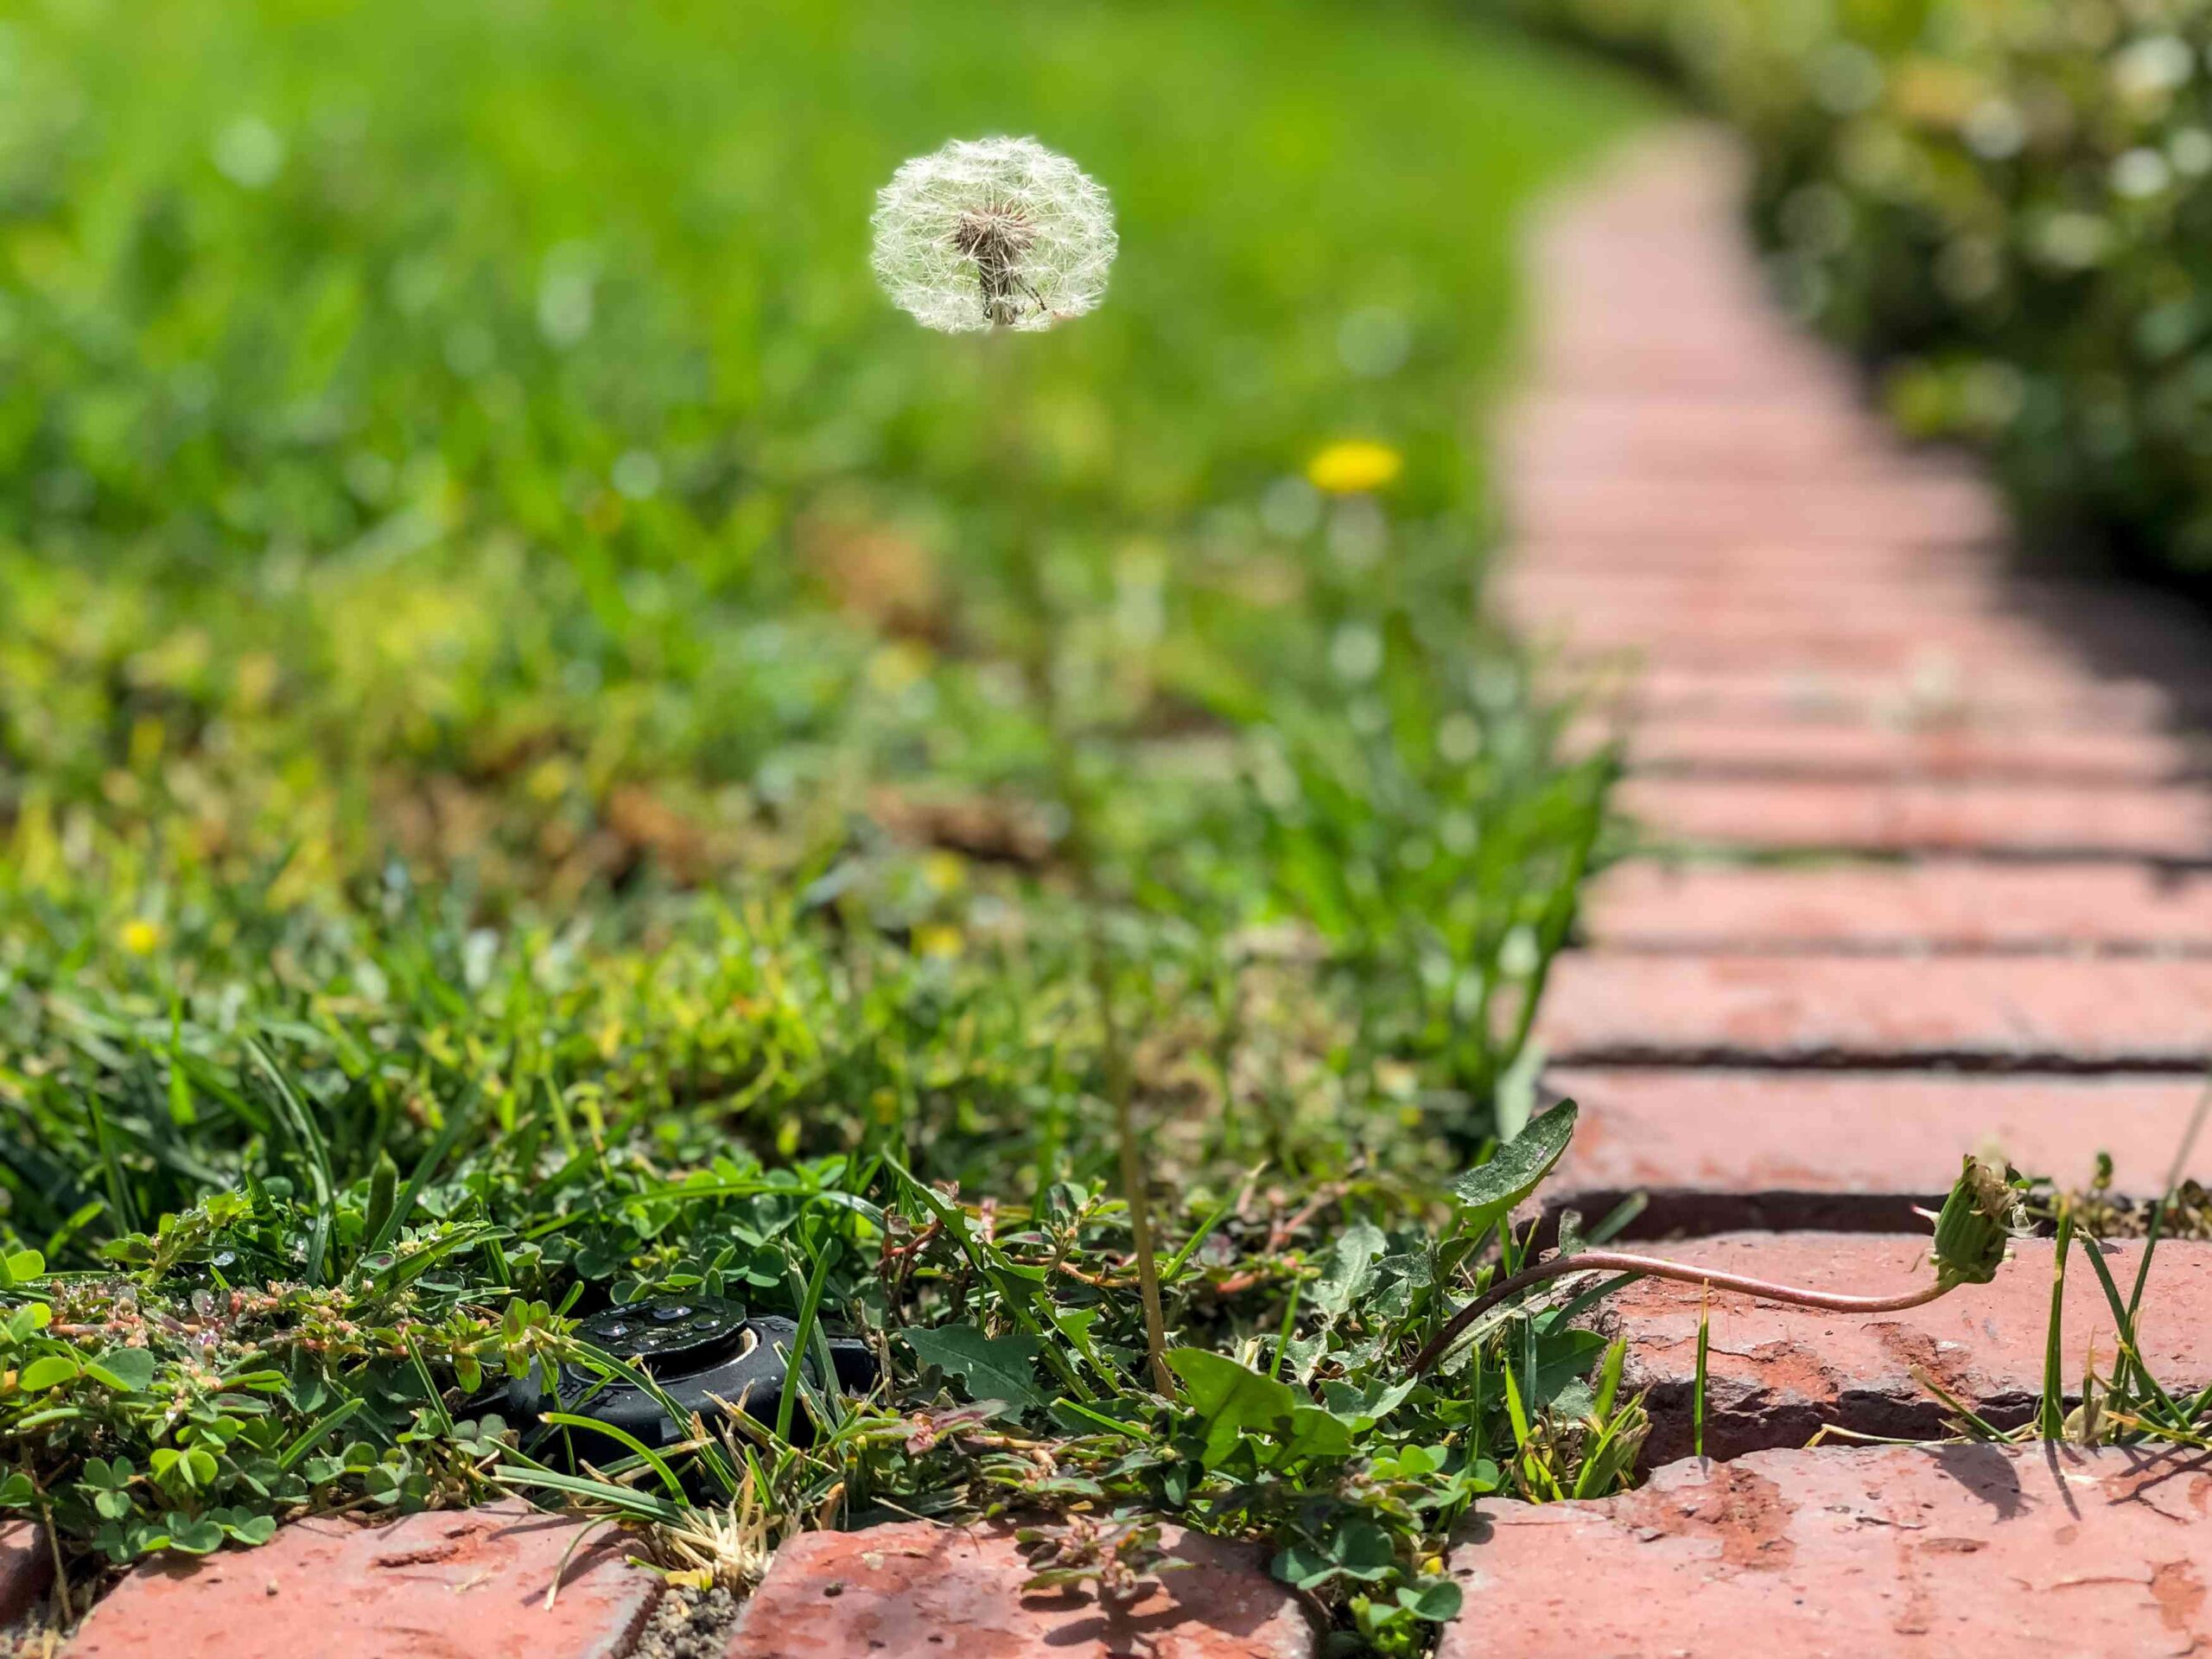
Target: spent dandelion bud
(1977,1219)
(992,233)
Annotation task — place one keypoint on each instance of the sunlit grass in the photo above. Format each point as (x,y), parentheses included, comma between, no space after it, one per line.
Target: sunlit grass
(515,757)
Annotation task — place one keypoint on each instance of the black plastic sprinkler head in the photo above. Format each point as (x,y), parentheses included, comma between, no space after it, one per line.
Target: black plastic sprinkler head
(700,1351)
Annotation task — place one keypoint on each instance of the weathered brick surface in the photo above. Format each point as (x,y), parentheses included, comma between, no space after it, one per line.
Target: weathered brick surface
(1719,1151)
(1745,591)
(1628,430)
(1922,510)
(1873,1553)
(1949,904)
(2169,825)
(917,1590)
(1776,1375)
(26,1570)
(465,1585)
(1892,598)
(2049,700)
(1872,753)
(1967,647)
(2021,1011)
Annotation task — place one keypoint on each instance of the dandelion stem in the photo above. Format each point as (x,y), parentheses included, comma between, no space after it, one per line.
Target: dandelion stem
(1040,647)
(1683,1272)
(1120,1092)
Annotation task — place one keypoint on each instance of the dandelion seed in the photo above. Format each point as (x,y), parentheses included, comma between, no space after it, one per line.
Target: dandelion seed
(992,233)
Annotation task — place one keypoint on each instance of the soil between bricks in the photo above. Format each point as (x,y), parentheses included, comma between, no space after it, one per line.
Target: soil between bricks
(690,1624)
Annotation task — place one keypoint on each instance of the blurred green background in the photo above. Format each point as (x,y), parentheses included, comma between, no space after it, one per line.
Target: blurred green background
(419,423)
(458,488)
(519,667)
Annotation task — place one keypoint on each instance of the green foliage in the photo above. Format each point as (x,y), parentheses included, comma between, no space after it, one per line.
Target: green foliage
(2005,199)
(1491,1191)
(520,787)
(993,1368)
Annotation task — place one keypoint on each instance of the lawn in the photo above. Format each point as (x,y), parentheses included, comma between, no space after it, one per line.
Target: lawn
(555,750)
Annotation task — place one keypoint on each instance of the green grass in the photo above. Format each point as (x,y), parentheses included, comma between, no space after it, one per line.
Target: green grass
(517,786)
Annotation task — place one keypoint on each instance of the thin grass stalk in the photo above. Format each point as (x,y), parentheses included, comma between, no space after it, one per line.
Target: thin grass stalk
(2051,1418)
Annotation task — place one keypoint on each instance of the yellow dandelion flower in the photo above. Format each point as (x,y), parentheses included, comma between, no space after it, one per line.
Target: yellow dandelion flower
(1354,467)
(937,939)
(142,938)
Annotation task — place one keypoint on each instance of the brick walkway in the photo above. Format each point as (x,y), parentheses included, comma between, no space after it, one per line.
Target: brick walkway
(1922,839)
(1987,925)
(1927,837)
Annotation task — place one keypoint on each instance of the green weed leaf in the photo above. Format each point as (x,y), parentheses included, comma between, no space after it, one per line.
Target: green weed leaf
(1230,1399)
(993,1368)
(1491,1190)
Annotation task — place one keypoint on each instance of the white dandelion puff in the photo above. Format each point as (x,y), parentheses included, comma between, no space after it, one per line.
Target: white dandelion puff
(992,233)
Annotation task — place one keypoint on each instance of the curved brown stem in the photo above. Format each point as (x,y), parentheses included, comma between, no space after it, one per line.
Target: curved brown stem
(1653,1268)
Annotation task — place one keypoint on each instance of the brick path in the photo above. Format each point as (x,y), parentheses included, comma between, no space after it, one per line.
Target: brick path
(1921,871)
(1926,837)
(1987,925)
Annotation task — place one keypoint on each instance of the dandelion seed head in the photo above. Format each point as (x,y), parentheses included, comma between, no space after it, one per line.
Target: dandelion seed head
(992,233)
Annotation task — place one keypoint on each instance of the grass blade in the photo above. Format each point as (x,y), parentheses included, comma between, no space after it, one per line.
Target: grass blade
(2051,1419)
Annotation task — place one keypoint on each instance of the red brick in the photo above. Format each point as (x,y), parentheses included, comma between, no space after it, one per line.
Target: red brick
(916,1591)
(1945,905)
(2171,824)
(1884,637)
(1748,553)
(460,1584)
(1775,749)
(1807,654)
(1952,661)
(1712,361)
(2017,1011)
(2049,700)
(1630,433)
(1874,1552)
(1762,593)
(1719,1151)
(1775,1376)
(1910,510)
(1529,586)
(26,1570)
